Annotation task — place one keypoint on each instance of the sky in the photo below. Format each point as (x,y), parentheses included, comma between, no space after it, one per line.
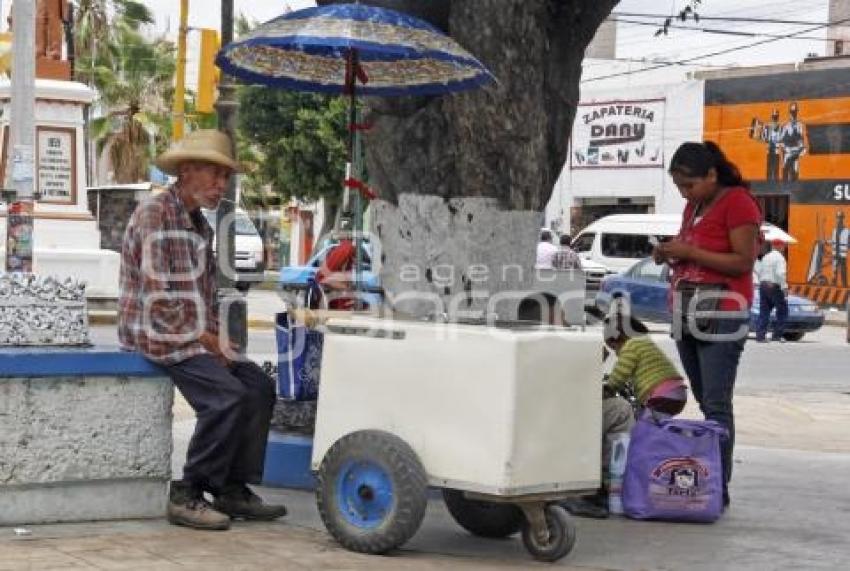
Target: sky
(639,41)
(634,41)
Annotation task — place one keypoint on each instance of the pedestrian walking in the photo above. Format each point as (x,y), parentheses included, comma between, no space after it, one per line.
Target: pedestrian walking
(566,258)
(773,288)
(545,250)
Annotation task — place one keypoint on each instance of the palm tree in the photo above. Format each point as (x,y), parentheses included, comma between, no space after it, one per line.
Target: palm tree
(134,77)
(93,28)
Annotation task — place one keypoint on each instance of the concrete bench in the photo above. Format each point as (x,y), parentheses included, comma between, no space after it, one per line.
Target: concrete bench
(85,434)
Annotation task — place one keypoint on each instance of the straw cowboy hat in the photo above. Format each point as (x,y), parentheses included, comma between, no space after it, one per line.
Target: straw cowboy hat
(205,145)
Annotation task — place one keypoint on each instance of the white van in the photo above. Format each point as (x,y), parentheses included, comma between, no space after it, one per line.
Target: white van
(249,260)
(618,241)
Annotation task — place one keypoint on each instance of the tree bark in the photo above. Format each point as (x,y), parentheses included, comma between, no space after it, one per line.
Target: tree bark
(455,173)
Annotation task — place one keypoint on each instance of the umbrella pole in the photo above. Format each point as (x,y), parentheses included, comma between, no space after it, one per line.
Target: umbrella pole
(356,168)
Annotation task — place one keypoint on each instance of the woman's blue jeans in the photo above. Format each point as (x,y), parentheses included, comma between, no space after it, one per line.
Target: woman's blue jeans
(711,366)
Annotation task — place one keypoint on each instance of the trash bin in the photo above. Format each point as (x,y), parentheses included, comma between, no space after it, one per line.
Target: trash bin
(299,355)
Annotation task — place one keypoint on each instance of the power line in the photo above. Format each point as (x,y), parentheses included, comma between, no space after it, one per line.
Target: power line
(634,33)
(727,32)
(717,53)
(729,19)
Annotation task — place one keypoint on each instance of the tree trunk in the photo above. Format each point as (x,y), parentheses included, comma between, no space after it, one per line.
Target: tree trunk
(463,179)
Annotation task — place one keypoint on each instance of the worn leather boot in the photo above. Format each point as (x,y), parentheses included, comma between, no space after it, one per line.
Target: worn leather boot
(239,502)
(187,507)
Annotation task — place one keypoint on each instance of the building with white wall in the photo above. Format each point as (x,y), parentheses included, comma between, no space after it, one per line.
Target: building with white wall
(622,140)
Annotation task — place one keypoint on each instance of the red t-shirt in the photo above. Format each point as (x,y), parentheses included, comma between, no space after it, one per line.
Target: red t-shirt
(339,259)
(735,208)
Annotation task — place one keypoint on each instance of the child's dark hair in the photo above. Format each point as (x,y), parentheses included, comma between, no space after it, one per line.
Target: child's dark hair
(696,159)
(619,324)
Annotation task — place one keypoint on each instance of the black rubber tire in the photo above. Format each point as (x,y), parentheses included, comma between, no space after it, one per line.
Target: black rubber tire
(793,336)
(484,519)
(562,536)
(410,491)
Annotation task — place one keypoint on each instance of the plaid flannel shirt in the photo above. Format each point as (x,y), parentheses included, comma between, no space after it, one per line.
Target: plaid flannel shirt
(168,288)
(566,259)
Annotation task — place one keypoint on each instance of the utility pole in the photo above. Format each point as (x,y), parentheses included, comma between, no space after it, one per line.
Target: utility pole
(179,107)
(22,134)
(232,302)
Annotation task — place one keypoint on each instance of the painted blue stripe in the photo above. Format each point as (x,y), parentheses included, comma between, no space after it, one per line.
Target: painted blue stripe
(360,13)
(74,362)
(288,459)
(336,48)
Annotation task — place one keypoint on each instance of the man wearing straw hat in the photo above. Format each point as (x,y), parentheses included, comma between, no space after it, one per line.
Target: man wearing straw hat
(168,312)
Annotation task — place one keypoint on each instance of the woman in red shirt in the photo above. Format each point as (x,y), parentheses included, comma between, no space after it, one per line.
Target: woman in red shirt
(714,252)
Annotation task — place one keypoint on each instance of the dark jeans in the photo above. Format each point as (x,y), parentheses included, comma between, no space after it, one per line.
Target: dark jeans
(234,408)
(712,367)
(770,296)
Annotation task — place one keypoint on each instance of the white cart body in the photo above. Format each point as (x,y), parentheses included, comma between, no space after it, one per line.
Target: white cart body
(503,412)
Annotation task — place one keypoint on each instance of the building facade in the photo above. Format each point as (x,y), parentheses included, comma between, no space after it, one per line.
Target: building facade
(621,142)
(788,130)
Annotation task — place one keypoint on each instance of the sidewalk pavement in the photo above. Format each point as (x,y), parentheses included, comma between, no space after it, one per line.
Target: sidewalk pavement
(787,513)
(157,546)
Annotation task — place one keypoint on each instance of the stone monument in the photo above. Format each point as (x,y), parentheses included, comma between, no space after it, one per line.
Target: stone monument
(66,240)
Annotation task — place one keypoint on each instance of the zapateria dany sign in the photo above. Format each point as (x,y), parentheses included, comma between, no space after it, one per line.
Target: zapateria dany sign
(618,134)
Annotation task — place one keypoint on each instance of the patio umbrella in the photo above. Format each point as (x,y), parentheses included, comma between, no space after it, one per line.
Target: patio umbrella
(328,49)
(353,49)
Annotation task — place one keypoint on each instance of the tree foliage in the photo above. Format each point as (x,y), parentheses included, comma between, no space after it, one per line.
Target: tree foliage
(300,139)
(133,76)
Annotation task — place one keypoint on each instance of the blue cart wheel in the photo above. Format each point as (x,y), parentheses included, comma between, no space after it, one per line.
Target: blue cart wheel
(364,493)
(372,492)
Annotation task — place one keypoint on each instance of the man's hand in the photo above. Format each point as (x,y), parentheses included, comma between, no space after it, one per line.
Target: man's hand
(213,344)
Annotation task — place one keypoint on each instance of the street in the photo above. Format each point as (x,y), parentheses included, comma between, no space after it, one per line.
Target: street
(804,385)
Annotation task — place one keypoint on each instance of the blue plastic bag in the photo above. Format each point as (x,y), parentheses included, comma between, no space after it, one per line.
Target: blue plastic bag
(673,470)
(299,354)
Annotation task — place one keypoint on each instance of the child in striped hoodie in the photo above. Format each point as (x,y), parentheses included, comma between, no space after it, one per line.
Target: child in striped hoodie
(643,370)
(643,367)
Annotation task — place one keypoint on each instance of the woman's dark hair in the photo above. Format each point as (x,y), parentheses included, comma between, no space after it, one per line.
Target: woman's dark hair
(696,159)
(565,240)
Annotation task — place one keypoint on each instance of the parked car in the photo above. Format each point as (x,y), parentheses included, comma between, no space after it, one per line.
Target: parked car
(618,241)
(294,279)
(249,262)
(646,284)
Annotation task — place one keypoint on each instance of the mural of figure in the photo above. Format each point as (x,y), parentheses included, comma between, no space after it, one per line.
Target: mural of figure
(840,239)
(793,142)
(772,136)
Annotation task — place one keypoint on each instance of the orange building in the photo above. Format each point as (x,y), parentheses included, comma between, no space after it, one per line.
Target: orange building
(789,132)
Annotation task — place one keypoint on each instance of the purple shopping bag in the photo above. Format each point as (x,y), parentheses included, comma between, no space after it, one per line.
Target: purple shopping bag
(673,470)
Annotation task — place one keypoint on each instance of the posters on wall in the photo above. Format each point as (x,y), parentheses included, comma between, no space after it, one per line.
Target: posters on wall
(789,134)
(618,134)
(19,237)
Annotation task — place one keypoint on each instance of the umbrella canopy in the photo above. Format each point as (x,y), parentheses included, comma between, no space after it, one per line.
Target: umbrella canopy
(311,50)
(771,233)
